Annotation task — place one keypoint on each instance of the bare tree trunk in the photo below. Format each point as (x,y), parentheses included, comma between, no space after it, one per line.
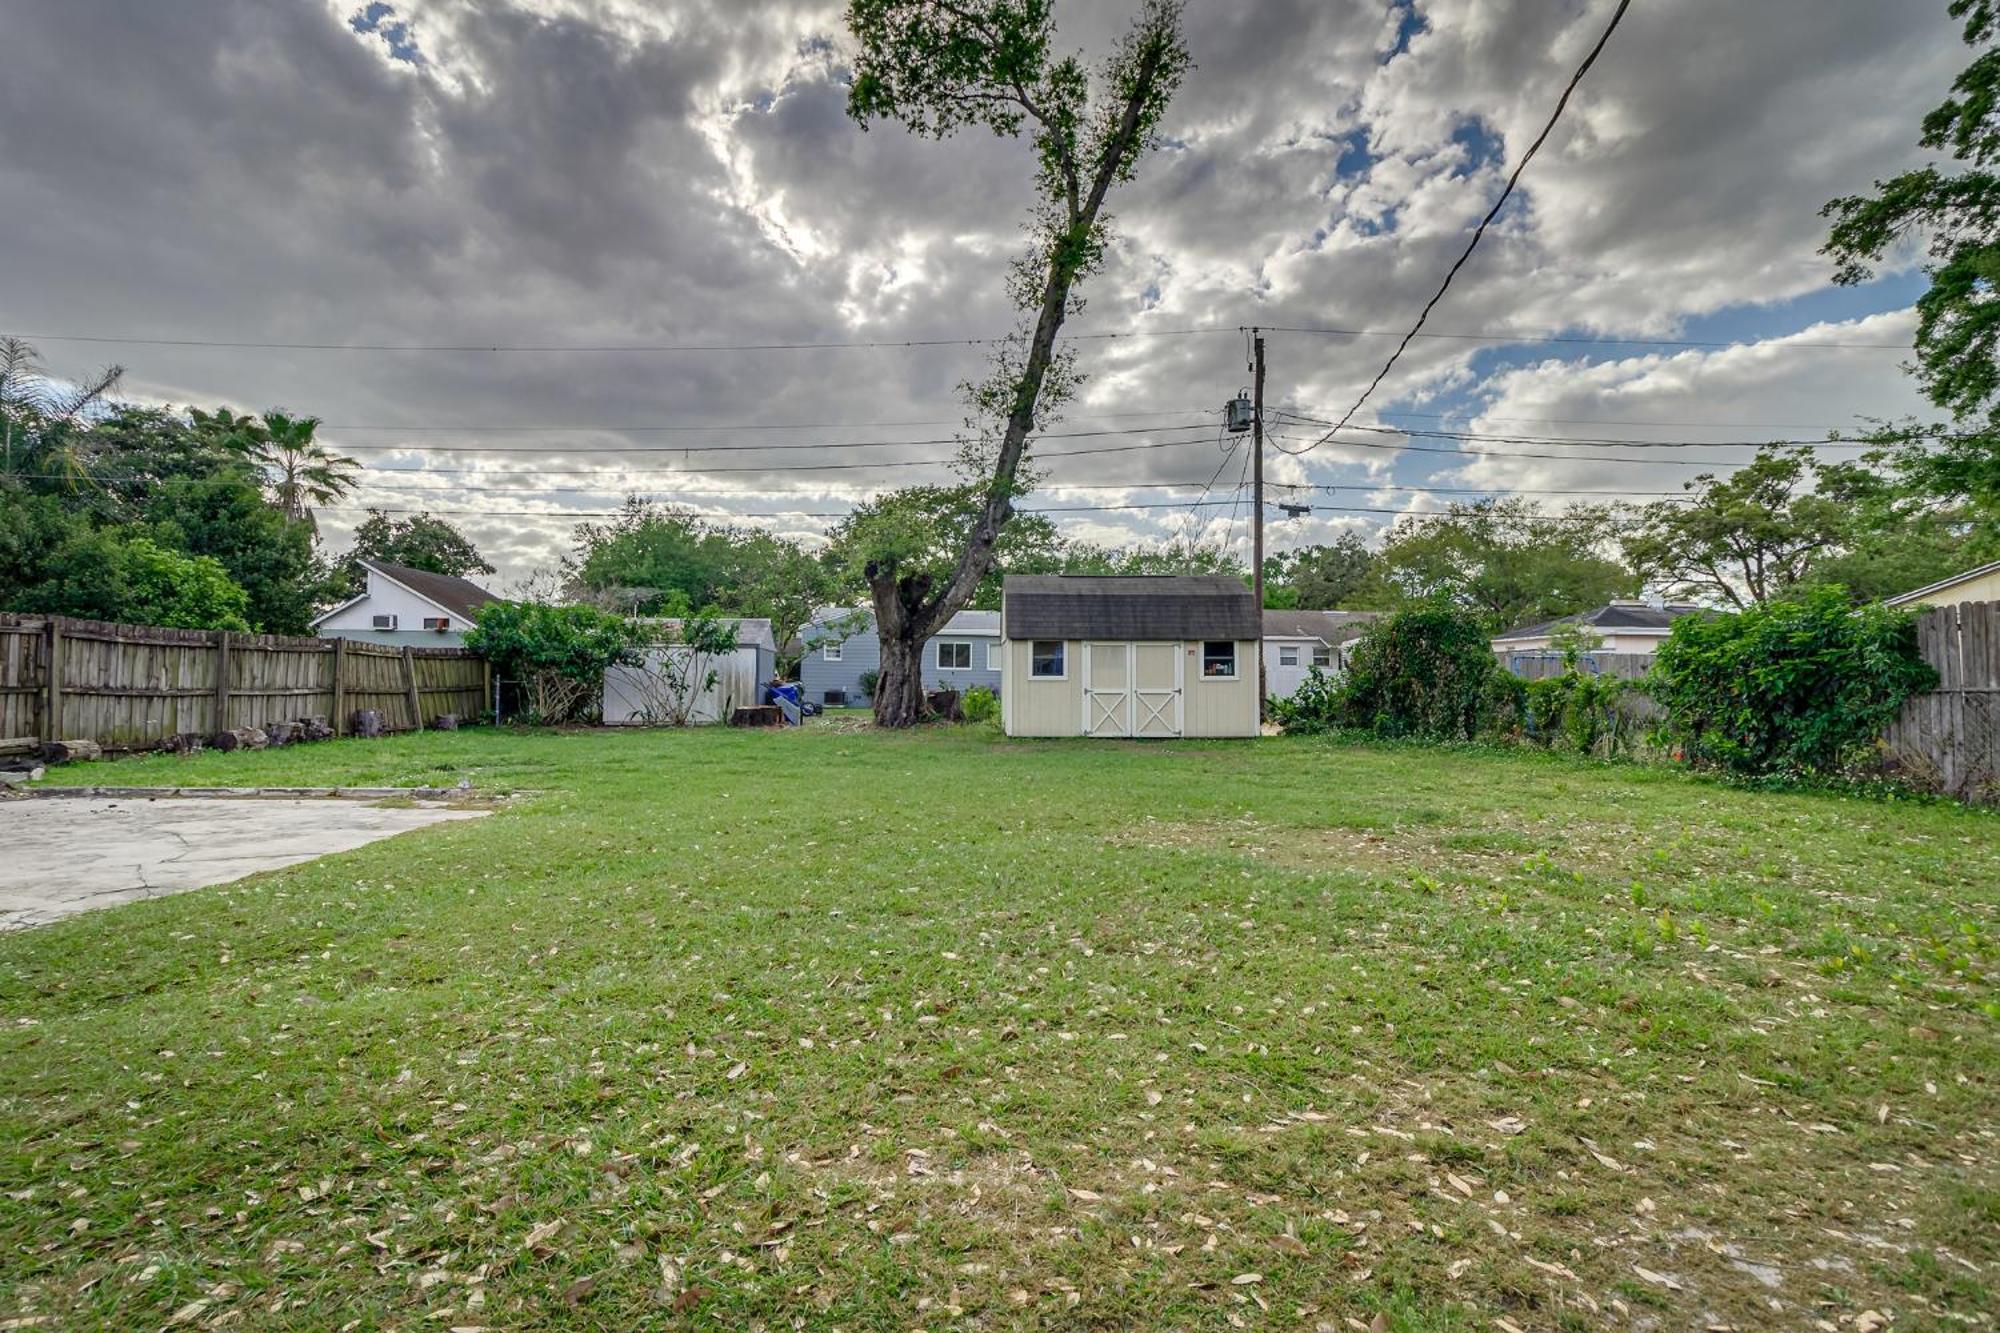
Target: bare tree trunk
(899,684)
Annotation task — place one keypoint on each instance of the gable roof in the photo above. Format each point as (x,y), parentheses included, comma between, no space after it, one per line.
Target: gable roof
(1642,617)
(1328,627)
(1128,606)
(447,592)
(1962,576)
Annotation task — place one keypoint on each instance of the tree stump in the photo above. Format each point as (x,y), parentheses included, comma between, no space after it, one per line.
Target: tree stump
(182,742)
(239,738)
(314,729)
(945,705)
(757,715)
(367,724)
(445,722)
(281,733)
(69,752)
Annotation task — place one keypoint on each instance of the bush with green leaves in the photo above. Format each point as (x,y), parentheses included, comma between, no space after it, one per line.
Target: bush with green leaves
(1578,711)
(865,682)
(1424,672)
(980,704)
(1313,708)
(558,654)
(1800,687)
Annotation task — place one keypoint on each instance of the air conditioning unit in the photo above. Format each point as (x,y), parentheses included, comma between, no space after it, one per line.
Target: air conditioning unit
(385,622)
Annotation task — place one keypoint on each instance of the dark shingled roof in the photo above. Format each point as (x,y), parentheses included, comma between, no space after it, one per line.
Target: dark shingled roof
(461,597)
(1155,607)
(1618,615)
(1329,627)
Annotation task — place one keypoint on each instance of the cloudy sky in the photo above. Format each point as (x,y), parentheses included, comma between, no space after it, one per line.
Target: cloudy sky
(639,198)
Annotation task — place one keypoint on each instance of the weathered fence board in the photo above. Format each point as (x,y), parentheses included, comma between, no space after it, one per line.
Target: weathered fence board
(1547,666)
(130,687)
(1949,739)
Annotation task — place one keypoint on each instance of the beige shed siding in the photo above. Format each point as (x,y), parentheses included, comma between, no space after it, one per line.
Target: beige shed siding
(1034,707)
(1220,707)
(1043,707)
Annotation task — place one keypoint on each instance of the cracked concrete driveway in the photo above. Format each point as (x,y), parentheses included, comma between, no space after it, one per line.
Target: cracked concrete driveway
(71,855)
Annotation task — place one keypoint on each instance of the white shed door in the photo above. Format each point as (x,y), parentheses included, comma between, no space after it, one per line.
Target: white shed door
(1107,689)
(1156,689)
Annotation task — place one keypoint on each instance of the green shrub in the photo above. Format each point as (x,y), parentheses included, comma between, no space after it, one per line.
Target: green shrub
(1799,687)
(980,704)
(865,682)
(1578,711)
(1425,672)
(1312,708)
(558,654)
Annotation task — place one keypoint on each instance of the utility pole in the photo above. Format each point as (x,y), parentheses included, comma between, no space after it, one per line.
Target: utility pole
(1257,500)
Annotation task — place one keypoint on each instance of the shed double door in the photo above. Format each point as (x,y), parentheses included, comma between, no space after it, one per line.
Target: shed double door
(1132,689)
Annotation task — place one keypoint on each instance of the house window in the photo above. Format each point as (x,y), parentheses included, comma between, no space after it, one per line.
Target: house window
(1218,659)
(1288,657)
(994,657)
(1322,656)
(829,651)
(954,657)
(1045,662)
(438,623)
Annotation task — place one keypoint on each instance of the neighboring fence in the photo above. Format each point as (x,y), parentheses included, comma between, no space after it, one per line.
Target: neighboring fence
(1547,666)
(131,687)
(1949,739)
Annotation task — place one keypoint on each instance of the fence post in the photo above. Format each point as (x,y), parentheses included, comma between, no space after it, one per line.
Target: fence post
(486,689)
(222,680)
(52,701)
(339,718)
(410,685)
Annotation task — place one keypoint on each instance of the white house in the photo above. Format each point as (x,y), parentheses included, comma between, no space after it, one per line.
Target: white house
(1297,641)
(1635,627)
(406,606)
(1120,655)
(1974,585)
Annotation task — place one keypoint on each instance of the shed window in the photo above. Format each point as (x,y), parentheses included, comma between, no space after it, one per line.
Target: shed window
(1288,657)
(1218,659)
(830,652)
(954,656)
(1046,660)
(1322,656)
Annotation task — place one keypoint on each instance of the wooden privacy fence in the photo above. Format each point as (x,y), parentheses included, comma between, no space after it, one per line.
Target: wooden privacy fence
(1547,666)
(131,687)
(1949,739)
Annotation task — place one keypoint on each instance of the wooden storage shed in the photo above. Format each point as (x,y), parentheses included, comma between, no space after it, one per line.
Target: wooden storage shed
(1153,656)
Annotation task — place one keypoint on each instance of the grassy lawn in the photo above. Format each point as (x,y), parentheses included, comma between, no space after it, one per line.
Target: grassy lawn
(832,1028)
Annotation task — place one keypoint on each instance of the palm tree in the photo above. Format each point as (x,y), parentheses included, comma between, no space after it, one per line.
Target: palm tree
(307,472)
(44,414)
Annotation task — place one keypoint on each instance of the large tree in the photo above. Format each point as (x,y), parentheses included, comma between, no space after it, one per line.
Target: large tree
(1743,538)
(1319,578)
(421,542)
(1505,560)
(923,530)
(938,66)
(1955,212)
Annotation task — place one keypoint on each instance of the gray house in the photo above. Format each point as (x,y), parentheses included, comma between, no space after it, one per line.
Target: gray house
(841,646)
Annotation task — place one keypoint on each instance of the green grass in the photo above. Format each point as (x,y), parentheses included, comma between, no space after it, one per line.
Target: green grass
(833,1028)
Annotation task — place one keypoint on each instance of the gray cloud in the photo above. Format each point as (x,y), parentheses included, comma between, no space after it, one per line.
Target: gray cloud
(610,172)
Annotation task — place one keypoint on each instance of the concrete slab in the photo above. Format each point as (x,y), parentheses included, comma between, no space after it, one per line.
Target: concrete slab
(68,856)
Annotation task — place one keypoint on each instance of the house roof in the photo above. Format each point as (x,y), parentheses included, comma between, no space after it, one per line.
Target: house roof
(1630,617)
(461,597)
(1126,606)
(1963,576)
(966,624)
(751,632)
(1328,627)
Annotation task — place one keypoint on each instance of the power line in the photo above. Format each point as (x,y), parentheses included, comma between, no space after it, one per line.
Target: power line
(1517,453)
(1586,340)
(245,344)
(1586,442)
(758,448)
(1479,232)
(735,425)
(783,513)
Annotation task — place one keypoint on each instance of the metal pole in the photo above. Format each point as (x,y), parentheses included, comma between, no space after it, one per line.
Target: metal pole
(1257,503)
